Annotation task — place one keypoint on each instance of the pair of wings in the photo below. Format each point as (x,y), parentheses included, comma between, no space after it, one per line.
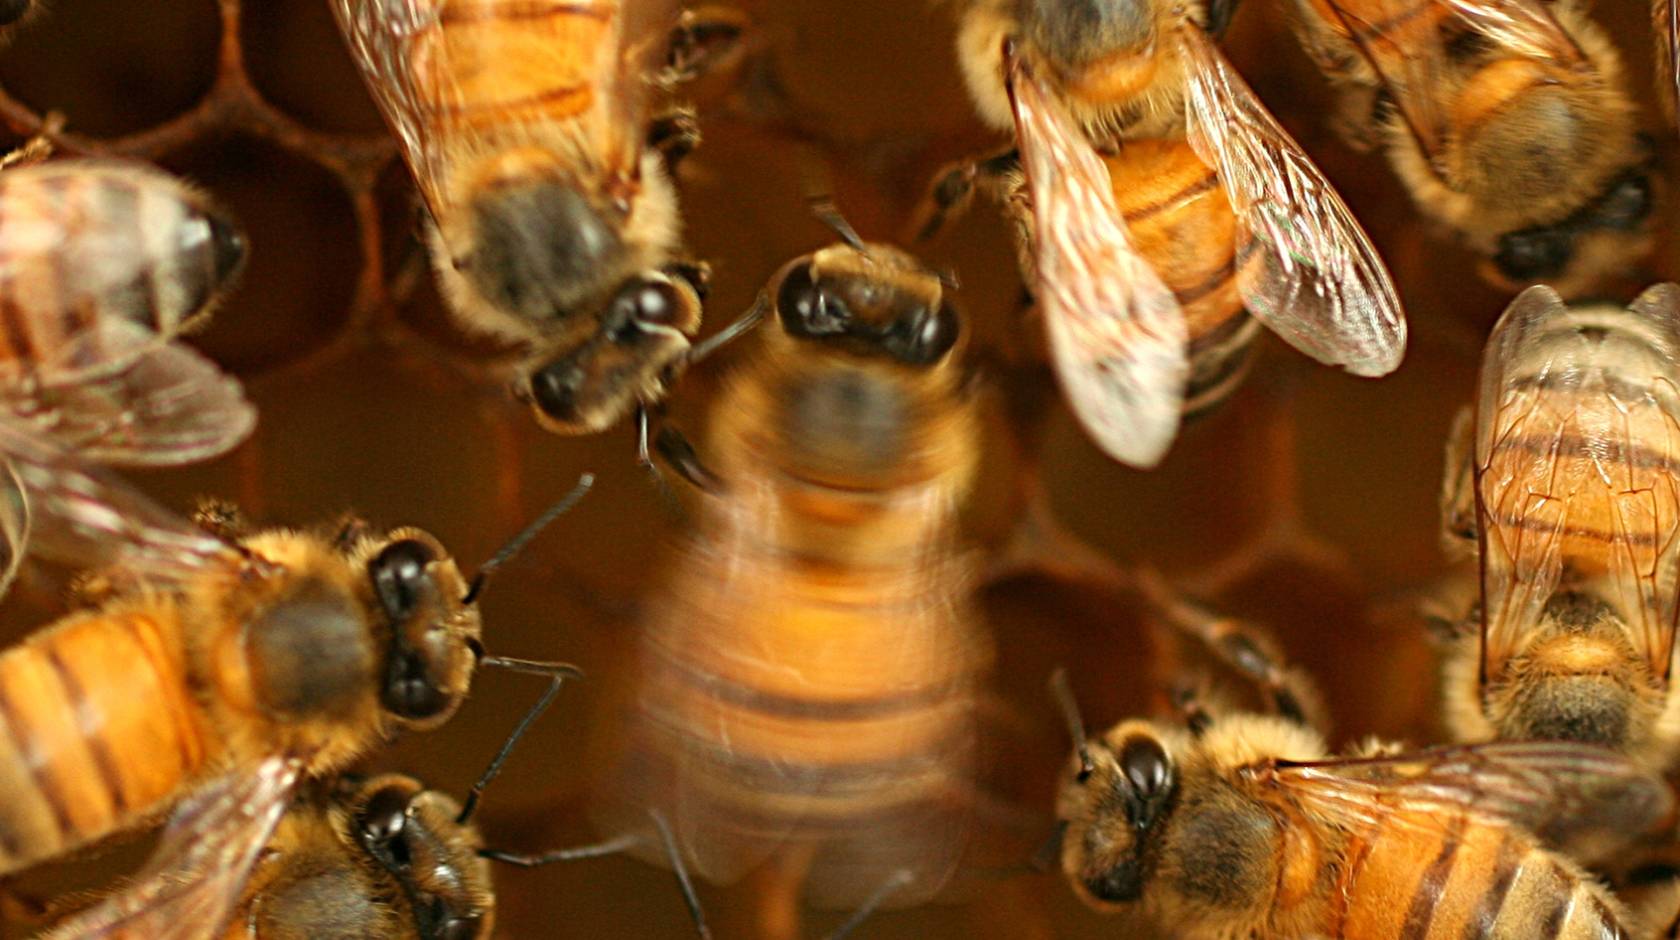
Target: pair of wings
(1578,433)
(1567,794)
(403,50)
(1116,332)
(1411,67)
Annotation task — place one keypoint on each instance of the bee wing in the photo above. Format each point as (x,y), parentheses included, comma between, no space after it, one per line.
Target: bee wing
(1320,284)
(1404,49)
(435,67)
(1574,443)
(14,525)
(118,394)
(197,874)
(1116,332)
(1563,792)
(1526,27)
(84,516)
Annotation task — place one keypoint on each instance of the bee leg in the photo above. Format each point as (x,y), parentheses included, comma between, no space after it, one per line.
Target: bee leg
(38,147)
(952,191)
(679,454)
(1458,488)
(351,529)
(1244,647)
(1186,697)
(557,674)
(703,40)
(674,858)
(674,135)
(897,880)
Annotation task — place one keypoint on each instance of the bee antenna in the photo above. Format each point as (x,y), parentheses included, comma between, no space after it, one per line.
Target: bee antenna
(557,674)
(1062,692)
(823,207)
(515,545)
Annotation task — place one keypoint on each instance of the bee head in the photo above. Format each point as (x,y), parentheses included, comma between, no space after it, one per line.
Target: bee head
(636,344)
(410,833)
(433,628)
(1115,794)
(874,301)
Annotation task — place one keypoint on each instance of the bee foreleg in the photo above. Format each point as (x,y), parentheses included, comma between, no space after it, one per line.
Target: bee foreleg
(679,454)
(674,135)
(38,147)
(952,191)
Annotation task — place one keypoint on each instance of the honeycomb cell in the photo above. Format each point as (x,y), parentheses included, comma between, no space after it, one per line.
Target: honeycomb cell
(85,59)
(305,255)
(328,94)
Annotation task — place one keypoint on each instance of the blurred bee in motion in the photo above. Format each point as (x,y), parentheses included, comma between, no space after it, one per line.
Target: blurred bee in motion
(1576,496)
(1157,198)
(102,262)
(220,669)
(809,674)
(1508,121)
(527,129)
(1237,824)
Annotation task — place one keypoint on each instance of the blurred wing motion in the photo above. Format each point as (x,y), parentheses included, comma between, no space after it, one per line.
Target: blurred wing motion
(1577,455)
(1116,332)
(1321,286)
(85,517)
(451,75)
(197,873)
(118,393)
(1562,792)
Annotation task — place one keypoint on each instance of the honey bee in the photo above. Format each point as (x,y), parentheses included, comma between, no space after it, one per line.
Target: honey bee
(1508,121)
(1157,199)
(223,669)
(381,858)
(102,262)
(527,130)
(1577,523)
(809,674)
(1239,825)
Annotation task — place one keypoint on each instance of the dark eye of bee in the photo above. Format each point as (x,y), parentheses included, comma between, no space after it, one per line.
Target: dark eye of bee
(1532,254)
(923,337)
(452,926)
(1627,204)
(808,310)
(382,821)
(643,304)
(1148,775)
(227,242)
(399,576)
(555,390)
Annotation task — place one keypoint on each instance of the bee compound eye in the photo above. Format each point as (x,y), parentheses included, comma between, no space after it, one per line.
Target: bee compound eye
(227,243)
(926,336)
(454,926)
(806,309)
(399,576)
(1531,255)
(384,817)
(1145,765)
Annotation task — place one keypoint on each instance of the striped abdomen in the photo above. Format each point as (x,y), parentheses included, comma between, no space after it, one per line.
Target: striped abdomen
(810,674)
(1464,881)
(1180,221)
(488,63)
(1585,445)
(98,729)
(84,242)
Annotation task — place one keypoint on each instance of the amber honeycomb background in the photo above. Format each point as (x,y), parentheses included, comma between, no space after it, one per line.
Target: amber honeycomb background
(1307,503)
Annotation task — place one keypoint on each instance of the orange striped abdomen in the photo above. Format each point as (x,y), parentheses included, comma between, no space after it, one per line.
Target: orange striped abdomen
(98,730)
(1182,224)
(1465,880)
(486,63)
